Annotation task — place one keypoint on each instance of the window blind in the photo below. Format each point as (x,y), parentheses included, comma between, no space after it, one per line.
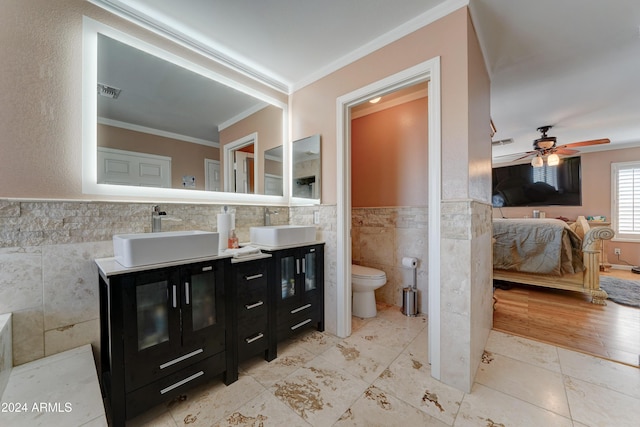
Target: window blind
(626,203)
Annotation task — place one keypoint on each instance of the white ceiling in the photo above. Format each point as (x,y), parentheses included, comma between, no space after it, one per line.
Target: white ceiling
(573,64)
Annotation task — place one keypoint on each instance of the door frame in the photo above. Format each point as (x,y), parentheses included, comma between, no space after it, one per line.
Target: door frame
(228,158)
(426,71)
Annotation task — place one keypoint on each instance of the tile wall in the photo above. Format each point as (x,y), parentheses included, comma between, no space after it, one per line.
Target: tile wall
(381,237)
(465,289)
(48,279)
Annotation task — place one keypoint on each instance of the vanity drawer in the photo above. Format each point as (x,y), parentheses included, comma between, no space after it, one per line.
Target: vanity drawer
(252,342)
(174,385)
(250,272)
(139,374)
(252,312)
(291,323)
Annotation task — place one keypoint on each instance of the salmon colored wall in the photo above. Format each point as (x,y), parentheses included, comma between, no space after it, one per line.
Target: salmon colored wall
(41,86)
(268,124)
(389,157)
(314,106)
(186,158)
(596,198)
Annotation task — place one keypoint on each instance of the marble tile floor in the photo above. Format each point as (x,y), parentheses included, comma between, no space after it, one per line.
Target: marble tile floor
(58,390)
(379,376)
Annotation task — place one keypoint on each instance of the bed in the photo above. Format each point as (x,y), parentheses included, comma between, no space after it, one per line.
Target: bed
(550,253)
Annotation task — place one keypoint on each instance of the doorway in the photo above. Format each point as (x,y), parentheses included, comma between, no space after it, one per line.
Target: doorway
(389,182)
(239,166)
(428,71)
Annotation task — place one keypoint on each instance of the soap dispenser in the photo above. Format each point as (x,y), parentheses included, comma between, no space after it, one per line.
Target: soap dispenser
(233,240)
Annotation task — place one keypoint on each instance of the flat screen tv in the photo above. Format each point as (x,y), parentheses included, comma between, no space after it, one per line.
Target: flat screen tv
(524,185)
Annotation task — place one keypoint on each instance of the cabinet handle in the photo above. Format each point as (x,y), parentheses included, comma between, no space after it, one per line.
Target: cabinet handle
(301,324)
(297,266)
(254,338)
(299,309)
(175,296)
(181,358)
(254,305)
(255,276)
(186,292)
(182,382)
(208,268)
(304,265)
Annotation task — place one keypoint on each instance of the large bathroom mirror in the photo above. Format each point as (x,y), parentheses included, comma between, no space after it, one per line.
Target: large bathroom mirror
(168,125)
(306,168)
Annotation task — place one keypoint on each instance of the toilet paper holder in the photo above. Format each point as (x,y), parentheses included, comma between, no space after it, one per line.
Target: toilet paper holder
(410,294)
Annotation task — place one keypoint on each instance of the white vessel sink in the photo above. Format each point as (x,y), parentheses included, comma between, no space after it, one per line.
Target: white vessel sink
(282,235)
(132,250)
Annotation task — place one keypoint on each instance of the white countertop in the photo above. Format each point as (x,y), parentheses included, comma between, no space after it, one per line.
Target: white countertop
(110,267)
(277,248)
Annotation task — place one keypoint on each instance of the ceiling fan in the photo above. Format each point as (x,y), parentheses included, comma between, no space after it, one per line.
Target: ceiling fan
(545,146)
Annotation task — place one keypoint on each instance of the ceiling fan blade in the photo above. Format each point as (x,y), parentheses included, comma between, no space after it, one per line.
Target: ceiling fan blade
(528,153)
(586,143)
(565,151)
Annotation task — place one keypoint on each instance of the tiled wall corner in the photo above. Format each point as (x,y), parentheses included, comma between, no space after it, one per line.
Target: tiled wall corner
(465,292)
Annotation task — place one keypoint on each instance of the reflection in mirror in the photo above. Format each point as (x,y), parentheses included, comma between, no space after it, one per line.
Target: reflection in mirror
(273,168)
(306,168)
(240,157)
(162,125)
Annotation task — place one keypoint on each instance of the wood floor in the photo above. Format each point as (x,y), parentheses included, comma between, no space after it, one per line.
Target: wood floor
(569,320)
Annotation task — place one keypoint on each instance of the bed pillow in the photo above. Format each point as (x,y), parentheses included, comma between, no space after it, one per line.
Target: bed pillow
(580,227)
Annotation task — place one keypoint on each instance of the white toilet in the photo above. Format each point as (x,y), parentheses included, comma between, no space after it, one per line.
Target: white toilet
(364,281)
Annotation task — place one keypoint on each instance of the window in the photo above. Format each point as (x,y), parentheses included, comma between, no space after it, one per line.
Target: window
(625,203)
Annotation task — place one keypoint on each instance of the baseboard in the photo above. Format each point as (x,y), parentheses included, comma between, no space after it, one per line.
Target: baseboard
(621,267)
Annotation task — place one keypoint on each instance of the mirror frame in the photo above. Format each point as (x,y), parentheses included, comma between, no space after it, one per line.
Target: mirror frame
(90,30)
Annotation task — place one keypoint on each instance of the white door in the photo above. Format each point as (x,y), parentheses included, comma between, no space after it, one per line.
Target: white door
(212,175)
(131,168)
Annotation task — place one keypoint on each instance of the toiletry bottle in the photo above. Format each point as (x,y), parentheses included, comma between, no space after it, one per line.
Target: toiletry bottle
(233,240)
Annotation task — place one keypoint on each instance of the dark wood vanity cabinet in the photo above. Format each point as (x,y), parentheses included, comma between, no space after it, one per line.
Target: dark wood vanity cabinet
(298,287)
(253,310)
(162,332)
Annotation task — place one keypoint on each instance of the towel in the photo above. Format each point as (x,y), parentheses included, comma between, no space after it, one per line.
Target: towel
(245,251)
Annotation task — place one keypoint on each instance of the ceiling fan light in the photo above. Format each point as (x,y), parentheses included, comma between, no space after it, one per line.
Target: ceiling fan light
(553,160)
(537,162)
(545,144)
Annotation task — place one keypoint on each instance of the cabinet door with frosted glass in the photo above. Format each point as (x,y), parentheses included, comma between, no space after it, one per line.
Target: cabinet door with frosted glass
(287,271)
(151,321)
(312,260)
(202,301)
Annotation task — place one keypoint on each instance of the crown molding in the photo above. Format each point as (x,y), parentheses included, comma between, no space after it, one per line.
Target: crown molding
(428,17)
(208,49)
(157,132)
(244,65)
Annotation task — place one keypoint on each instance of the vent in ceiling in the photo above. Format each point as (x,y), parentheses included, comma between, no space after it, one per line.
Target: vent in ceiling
(502,142)
(108,91)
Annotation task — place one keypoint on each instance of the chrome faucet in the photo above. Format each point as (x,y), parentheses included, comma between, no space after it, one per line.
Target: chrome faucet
(267,215)
(156,219)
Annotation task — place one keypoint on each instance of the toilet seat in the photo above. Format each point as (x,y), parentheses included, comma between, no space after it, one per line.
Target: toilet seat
(362,272)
